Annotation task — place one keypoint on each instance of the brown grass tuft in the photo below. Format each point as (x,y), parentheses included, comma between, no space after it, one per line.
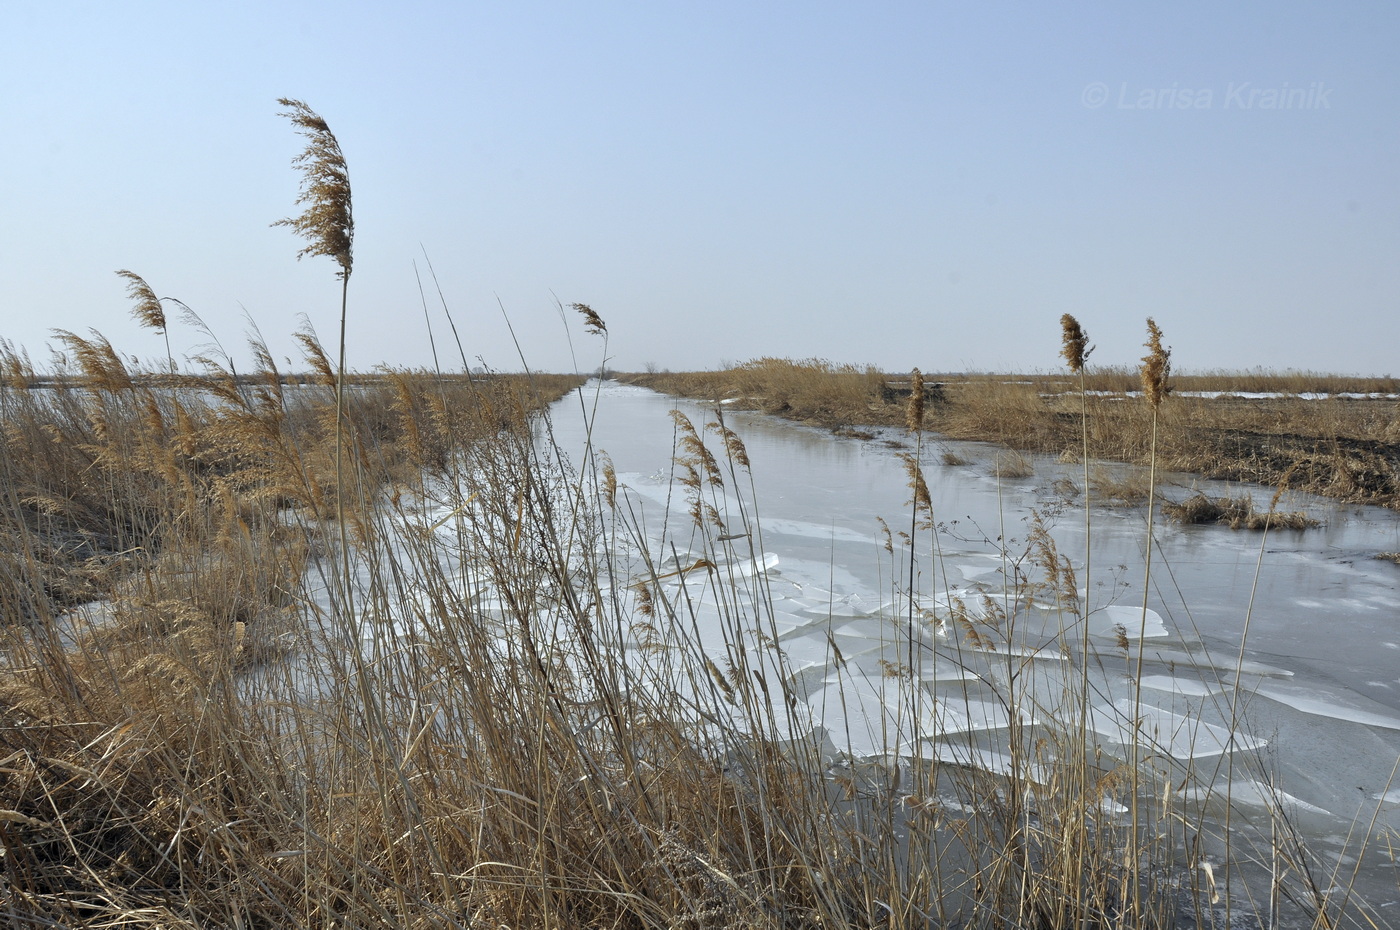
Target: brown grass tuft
(1234,512)
(1012,464)
(1119,488)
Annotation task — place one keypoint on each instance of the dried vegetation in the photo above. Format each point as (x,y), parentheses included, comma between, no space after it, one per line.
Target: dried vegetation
(1329,435)
(250,679)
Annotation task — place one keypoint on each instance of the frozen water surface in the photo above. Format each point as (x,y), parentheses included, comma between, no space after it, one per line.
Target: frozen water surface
(941,667)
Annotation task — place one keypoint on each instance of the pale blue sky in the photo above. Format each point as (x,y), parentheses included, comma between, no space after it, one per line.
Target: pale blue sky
(891,183)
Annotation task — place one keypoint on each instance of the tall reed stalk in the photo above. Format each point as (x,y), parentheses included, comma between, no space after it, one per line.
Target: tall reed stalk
(1075,349)
(1156,368)
(328,225)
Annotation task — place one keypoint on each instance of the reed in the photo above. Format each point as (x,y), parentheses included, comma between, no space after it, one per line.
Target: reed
(1342,443)
(337,648)
(147,309)
(203,743)
(1235,512)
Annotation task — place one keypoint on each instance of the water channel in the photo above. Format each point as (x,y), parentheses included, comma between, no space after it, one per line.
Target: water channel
(1269,666)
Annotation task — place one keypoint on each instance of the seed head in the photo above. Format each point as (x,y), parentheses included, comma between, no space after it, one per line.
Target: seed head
(1076,347)
(921,500)
(592,323)
(148,311)
(914,413)
(1156,366)
(327,224)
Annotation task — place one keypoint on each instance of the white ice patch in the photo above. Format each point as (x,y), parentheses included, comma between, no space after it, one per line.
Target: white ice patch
(825,533)
(1180,736)
(1049,652)
(965,715)
(1202,660)
(989,760)
(1252,793)
(1134,622)
(1191,687)
(1352,708)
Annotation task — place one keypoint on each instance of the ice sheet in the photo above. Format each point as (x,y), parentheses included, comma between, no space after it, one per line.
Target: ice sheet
(1324,703)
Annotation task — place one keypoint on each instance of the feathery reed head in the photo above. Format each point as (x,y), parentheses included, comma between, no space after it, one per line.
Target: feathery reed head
(914,413)
(148,311)
(592,322)
(920,500)
(327,223)
(1076,348)
(1156,365)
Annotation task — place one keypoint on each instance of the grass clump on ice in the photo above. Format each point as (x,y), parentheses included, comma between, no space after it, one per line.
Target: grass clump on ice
(1235,512)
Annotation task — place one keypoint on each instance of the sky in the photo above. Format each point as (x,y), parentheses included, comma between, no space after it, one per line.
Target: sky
(891,183)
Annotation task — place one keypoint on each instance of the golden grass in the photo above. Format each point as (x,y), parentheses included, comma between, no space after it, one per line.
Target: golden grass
(1342,447)
(351,650)
(1012,464)
(1235,512)
(151,767)
(1124,488)
(810,390)
(219,744)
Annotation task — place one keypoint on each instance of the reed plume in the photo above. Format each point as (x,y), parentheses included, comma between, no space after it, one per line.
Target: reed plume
(1156,366)
(147,311)
(914,413)
(592,323)
(327,223)
(1076,348)
(918,487)
(328,226)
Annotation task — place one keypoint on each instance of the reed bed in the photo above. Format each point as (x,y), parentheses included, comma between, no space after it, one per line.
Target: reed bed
(1343,442)
(352,650)
(458,732)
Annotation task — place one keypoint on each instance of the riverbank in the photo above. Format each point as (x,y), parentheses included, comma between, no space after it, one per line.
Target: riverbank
(1325,434)
(534,696)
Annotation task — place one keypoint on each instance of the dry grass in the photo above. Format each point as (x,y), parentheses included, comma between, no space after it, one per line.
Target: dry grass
(1235,512)
(360,650)
(1012,464)
(810,390)
(1119,487)
(176,754)
(1339,446)
(242,736)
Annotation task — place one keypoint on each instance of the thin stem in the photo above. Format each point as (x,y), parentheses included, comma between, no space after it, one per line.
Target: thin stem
(1135,865)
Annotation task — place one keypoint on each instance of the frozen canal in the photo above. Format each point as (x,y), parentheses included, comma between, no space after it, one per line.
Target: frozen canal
(1313,688)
